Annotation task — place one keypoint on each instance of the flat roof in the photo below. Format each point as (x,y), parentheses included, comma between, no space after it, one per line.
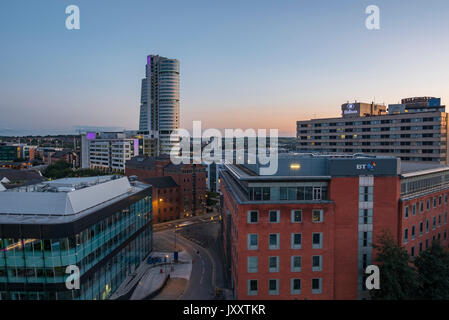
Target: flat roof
(64,200)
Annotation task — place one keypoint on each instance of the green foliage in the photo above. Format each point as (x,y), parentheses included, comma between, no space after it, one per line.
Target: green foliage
(58,170)
(398,280)
(427,278)
(433,271)
(62,169)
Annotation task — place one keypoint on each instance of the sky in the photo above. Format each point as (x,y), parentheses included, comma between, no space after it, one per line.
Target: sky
(243,64)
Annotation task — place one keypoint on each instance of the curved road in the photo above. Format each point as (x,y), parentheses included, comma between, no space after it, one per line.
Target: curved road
(200,286)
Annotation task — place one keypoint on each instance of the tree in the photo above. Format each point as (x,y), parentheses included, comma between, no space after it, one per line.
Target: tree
(433,272)
(398,280)
(62,169)
(58,170)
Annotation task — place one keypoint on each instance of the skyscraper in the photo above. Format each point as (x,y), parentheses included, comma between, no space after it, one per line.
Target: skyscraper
(159,109)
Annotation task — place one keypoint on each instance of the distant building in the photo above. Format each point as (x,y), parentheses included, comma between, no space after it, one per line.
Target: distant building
(191,179)
(307,232)
(9,153)
(415,130)
(66,155)
(108,151)
(159,109)
(102,225)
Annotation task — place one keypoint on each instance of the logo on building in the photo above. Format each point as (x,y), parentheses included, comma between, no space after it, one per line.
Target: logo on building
(366,166)
(350,108)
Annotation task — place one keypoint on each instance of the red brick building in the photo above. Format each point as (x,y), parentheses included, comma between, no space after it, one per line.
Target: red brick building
(166,198)
(189,178)
(307,232)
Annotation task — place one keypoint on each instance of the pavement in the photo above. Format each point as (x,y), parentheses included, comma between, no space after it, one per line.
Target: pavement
(149,278)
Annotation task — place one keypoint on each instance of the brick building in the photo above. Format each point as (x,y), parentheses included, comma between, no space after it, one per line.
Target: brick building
(190,179)
(307,232)
(166,199)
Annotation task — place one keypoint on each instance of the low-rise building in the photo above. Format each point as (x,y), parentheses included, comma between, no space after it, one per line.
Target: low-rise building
(191,179)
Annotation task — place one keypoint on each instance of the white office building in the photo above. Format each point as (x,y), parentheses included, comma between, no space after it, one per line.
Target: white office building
(107,150)
(159,109)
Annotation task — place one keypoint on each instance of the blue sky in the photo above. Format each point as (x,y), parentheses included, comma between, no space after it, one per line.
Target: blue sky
(248,64)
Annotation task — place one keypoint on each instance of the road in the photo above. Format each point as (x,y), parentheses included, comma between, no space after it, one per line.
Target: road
(200,286)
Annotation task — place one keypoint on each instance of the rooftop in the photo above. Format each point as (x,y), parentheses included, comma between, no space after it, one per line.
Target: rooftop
(68,199)
(161,182)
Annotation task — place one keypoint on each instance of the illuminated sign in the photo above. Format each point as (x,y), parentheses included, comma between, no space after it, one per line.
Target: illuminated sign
(350,109)
(367,166)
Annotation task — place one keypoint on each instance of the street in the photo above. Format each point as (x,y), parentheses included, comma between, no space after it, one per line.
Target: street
(200,285)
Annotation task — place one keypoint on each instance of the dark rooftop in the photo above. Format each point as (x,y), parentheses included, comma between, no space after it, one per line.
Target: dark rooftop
(161,182)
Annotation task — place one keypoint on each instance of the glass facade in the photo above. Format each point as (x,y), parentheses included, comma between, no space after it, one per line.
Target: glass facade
(298,193)
(105,253)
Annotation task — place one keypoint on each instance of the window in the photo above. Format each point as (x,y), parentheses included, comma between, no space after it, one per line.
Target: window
(295,286)
(405,235)
(428,204)
(413,232)
(317,240)
(420,247)
(421,206)
(365,194)
(434,223)
(274,241)
(296,264)
(427,243)
(412,252)
(273,264)
(317,216)
(414,209)
(316,286)
(365,216)
(440,200)
(274,216)
(427,225)
(296,216)
(252,287)
(273,286)
(253,216)
(439,220)
(421,228)
(316,193)
(316,263)
(434,202)
(445,217)
(253,241)
(252,264)
(406,212)
(296,240)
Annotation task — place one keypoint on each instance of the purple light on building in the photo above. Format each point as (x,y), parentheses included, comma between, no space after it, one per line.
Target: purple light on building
(136,147)
(91,135)
(149,60)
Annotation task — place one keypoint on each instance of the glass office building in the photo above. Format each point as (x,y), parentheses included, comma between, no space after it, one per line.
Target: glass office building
(101,225)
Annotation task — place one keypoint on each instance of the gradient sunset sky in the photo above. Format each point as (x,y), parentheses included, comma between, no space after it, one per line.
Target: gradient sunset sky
(247,64)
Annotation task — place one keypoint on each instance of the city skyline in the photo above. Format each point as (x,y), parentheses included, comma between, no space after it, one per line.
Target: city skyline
(292,57)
